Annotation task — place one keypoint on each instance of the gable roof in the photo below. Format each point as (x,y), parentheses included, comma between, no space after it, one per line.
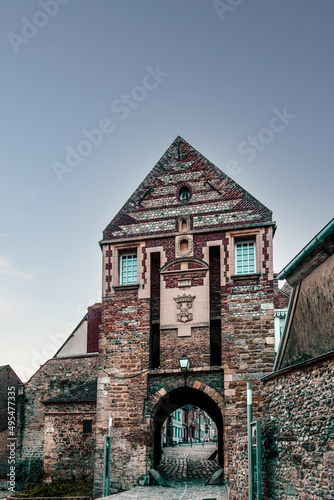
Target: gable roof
(306,252)
(308,331)
(11,372)
(217,201)
(85,393)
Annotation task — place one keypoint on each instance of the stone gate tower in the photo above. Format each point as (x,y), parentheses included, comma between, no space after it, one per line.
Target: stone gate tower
(187,271)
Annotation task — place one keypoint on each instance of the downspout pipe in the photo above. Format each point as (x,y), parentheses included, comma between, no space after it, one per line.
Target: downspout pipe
(319,238)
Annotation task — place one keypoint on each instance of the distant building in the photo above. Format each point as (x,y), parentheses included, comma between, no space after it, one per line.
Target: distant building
(281,302)
(189,424)
(9,394)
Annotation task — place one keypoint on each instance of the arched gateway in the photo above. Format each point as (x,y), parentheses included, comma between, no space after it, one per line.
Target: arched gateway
(198,394)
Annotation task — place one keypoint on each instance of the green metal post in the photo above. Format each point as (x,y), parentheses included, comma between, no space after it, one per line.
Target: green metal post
(249,431)
(106,461)
(258,460)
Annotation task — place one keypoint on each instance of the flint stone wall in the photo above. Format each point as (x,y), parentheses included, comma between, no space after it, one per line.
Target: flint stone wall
(299,434)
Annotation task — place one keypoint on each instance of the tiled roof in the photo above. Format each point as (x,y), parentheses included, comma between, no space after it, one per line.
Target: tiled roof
(216,200)
(83,394)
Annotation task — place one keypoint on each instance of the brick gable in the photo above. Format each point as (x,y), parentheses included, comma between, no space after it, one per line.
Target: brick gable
(215,199)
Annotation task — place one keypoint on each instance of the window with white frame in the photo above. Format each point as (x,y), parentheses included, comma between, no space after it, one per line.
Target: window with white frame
(245,257)
(128,268)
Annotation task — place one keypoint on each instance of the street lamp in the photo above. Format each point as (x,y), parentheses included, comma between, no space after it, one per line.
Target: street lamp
(184,363)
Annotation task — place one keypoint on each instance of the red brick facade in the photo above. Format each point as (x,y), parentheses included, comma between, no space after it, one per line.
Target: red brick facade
(205,308)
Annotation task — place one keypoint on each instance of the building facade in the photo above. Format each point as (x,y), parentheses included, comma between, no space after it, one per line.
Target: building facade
(10,385)
(188,425)
(187,272)
(298,420)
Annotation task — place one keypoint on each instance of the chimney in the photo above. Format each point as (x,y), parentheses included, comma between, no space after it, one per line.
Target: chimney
(93,327)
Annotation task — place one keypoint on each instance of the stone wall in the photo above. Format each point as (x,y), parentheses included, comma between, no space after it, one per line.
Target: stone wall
(122,389)
(247,356)
(4,467)
(55,377)
(69,453)
(196,347)
(8,378)
(298,438)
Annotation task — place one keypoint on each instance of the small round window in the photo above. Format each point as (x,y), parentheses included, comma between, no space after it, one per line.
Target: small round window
(184,194)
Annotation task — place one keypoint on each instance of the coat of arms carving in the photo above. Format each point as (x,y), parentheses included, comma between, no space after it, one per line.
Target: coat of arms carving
(184,305)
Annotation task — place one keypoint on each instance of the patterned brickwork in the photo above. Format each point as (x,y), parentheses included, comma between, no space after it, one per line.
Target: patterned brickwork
(155,205)
(245,306)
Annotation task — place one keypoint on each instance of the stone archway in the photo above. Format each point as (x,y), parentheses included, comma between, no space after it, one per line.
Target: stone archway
(168,399)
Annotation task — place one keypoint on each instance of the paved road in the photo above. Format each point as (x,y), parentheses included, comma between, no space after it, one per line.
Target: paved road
(186,470)
(181,492)
(4,493)
(185,462)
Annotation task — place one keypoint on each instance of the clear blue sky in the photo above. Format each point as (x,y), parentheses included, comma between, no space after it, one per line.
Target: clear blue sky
(147,71)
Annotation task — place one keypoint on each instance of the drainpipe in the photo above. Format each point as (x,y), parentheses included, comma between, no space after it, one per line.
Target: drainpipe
(249,432)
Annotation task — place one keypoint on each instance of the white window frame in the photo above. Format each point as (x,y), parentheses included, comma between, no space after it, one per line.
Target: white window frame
(246,242)
(134,275)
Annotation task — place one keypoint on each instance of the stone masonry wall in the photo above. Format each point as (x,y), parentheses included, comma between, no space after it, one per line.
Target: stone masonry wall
(55,377)
(247,338)
(124,349)
(4,467)
(8,378)
(69,453)
(247,356)
(196,347)
(299,434)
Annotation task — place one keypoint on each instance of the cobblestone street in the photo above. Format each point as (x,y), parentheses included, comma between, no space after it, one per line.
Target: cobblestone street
(181,492)
(188,463)
(4,493)
(186,469)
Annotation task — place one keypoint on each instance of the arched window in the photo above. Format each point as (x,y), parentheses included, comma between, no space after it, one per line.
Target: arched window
(184,194)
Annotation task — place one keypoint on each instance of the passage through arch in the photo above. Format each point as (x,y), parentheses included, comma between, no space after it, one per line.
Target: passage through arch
(178,398)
